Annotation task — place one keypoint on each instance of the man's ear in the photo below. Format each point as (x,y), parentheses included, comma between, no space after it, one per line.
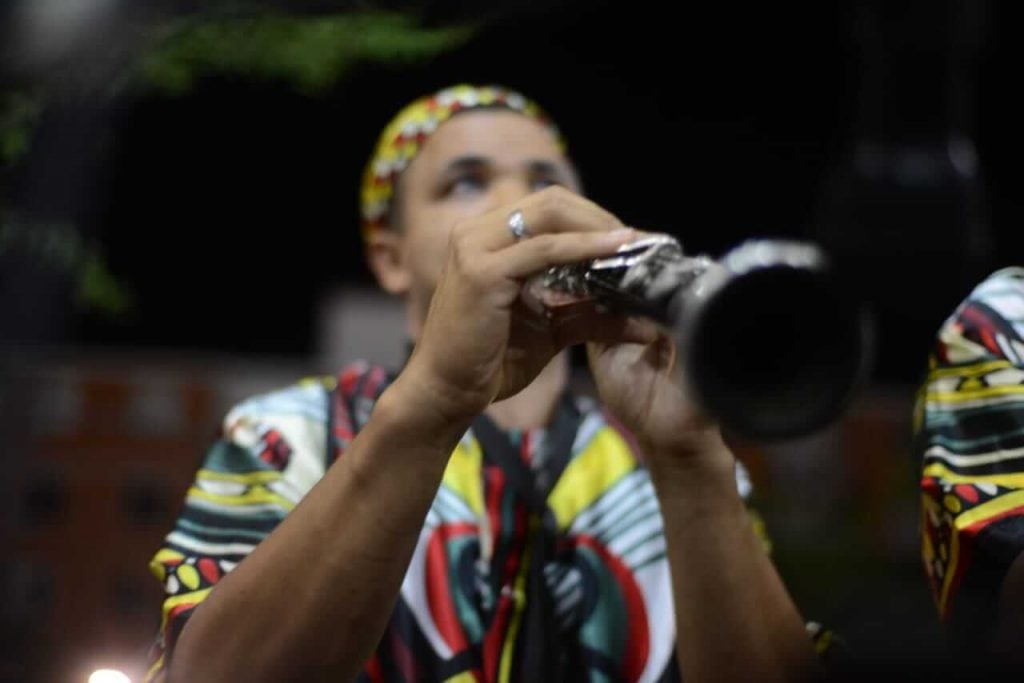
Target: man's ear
(386,257)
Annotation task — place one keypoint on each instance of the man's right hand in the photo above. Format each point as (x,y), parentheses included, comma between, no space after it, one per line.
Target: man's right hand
(480,343)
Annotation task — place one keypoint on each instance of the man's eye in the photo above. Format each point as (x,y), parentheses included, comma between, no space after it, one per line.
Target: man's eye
(542,182)
(466,185)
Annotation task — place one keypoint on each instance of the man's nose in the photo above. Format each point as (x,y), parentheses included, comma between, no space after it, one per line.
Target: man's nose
(509,190)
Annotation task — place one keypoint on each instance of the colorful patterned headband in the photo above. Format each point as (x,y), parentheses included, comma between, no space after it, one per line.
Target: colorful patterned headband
(402,139)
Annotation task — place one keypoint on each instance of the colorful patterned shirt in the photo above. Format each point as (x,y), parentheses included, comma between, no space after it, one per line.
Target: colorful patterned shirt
(462,613)
(969,426)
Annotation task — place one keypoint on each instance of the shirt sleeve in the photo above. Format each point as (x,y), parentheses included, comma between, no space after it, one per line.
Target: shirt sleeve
(272,450)
(969,440)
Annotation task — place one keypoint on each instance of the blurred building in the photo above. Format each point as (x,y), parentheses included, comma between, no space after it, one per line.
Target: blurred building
(104,446)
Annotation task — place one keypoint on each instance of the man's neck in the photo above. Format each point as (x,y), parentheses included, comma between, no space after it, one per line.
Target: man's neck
(534,406)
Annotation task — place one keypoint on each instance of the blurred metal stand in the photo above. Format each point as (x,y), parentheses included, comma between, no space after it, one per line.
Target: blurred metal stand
(906,201)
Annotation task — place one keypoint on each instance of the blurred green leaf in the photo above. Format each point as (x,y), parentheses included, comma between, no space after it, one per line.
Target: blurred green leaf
(98,289)
(18,113)
(310,53)
(58,246)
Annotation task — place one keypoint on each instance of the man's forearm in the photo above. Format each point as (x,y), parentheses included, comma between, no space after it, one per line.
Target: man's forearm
(735,619)
(311,601)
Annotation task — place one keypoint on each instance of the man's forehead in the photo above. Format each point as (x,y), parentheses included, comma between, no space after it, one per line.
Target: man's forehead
(401,143)
(491,136)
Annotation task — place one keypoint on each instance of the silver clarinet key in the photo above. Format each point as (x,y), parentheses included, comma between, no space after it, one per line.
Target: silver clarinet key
(642,278)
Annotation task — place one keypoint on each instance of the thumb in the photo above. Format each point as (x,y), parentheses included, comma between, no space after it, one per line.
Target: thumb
(592,326)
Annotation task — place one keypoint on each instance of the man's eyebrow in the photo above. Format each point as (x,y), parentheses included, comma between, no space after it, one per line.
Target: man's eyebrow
(542,167)
(468,162)
(538,168)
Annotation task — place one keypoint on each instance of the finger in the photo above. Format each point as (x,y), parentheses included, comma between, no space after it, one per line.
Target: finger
(533,255)
(553,209)
(604,329)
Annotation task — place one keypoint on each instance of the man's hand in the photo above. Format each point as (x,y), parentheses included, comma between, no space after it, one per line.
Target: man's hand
(734,619)
(479,342)
(644,387)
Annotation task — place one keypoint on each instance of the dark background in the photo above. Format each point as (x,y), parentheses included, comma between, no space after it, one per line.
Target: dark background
(716,121)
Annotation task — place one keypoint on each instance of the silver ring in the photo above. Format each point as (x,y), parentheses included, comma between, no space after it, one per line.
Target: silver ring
(517,225)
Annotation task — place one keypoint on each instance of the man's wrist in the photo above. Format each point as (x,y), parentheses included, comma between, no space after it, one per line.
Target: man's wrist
(414,405)
(699,449)
(693,468)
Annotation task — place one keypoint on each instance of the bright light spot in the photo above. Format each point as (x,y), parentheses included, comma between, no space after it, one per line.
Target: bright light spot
(47,29)
(108,676)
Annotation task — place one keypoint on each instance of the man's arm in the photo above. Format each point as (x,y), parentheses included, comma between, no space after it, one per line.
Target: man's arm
(311,600)
(734,618)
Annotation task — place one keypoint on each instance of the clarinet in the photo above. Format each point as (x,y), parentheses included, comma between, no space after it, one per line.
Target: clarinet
(771,342)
